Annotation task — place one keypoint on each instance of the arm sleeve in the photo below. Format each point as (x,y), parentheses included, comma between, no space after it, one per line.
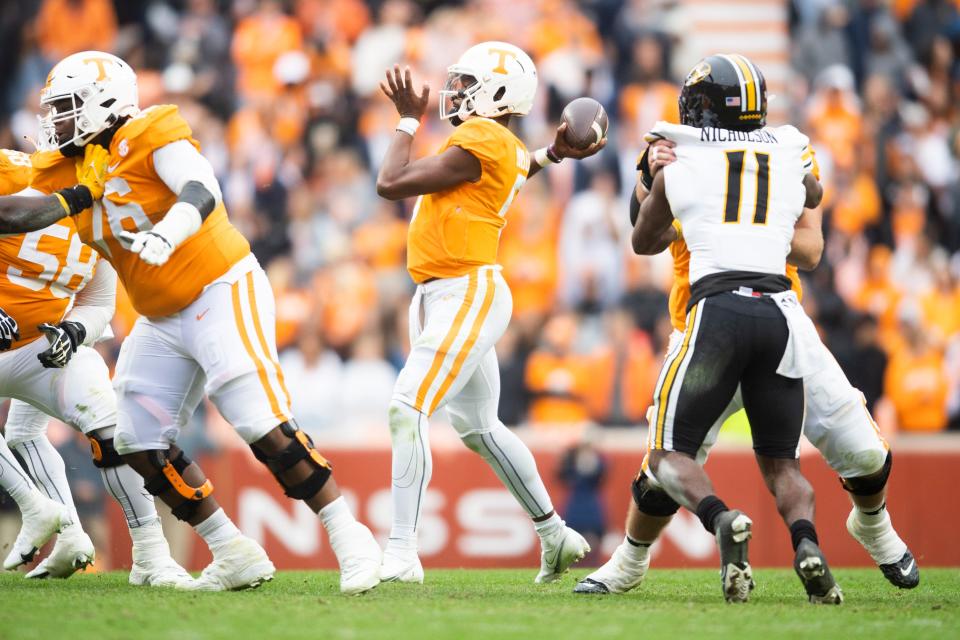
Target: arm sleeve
(95,304)
(179,162)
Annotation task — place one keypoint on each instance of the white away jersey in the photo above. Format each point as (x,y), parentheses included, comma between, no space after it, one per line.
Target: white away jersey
(737,194)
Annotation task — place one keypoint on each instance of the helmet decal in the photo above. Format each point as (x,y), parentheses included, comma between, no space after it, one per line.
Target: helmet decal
(698,73)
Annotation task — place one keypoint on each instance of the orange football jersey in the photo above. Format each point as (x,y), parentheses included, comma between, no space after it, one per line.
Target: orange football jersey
(456,231)
(680,291)
(42,270)
(135,198)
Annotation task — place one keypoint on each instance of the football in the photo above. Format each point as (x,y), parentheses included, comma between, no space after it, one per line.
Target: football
(586,121)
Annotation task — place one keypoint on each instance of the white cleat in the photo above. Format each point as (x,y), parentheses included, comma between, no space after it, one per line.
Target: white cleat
(401,566)
(41,521)
(618,575)
(240,563)
(153,566)
(359,558)
(559,552)
(73,552)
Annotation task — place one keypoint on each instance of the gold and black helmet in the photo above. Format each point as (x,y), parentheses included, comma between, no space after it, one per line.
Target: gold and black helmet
(725,91)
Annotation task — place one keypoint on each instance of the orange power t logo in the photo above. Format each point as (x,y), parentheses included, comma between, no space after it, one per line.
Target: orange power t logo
(99,62)
(502,55)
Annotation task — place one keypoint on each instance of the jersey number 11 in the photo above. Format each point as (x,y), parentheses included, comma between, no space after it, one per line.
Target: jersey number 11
(735,182)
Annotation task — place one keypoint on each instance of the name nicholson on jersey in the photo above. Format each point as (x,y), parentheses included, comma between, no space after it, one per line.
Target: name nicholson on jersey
(713,134)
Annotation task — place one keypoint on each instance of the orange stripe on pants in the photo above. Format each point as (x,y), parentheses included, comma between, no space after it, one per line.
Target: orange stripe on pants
(671,375)
(441,354)
(263,340)
(468,345)
(261,370)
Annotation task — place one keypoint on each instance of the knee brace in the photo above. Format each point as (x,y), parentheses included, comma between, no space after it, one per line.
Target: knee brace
(652,500)
(872,484)
(169,476)
(103,453)
(300,448)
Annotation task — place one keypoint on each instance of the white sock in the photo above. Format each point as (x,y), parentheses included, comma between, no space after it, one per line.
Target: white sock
(872,519)
(635,552)
(217,530)
(411,470)
(336,515)
(45,466)
(14,481)
(126,487)
(513,463)
(548,527)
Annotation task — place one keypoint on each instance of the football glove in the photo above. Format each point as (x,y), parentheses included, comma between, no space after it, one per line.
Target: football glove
(92,169)
(64,339)
(154,249)
(9,331)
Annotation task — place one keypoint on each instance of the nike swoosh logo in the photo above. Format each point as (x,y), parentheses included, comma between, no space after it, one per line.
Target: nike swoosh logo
(200,315)
(113,167)
(906,572)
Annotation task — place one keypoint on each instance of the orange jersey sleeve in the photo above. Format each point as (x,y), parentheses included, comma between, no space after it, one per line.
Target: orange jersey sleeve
(14,171)
(135,198)
(680,292)
(458,230)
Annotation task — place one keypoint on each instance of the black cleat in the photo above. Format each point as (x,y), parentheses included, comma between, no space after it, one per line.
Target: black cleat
(812,568)
(591,586)
(903,573)
(736,577)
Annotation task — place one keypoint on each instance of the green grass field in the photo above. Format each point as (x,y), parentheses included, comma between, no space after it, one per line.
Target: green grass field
(671,605)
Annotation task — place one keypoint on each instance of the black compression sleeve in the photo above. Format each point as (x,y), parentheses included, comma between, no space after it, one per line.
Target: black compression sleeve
(199,196)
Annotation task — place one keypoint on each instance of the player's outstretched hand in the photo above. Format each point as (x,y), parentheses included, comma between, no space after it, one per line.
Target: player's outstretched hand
(399,88)
(563,149)
(154,249)
(661,154)
(92,169)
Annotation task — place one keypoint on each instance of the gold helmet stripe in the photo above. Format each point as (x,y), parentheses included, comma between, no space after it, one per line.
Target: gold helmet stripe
(747,79)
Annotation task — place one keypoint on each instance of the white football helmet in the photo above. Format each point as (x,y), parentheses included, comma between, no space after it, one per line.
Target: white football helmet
(489,80)
(101,89)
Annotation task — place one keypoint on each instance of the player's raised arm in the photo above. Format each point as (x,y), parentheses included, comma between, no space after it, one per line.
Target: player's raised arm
(400,177)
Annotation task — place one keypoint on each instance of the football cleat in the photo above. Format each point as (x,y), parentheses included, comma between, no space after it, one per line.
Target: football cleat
(41,520)
(401,566)
(559,552)
(734,530)
(812,568)
(887,549)
(238,564)
(618,575)
(903,573)
(73,552)
(153,566)
(359,557)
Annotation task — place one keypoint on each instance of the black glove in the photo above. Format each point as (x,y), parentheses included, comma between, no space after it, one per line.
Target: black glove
(64,339)
(9,331)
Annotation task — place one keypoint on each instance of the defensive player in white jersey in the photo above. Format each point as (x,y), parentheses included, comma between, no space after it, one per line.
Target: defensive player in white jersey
(207,319)
(62,299)
(837,422)
(462,305)
(738,190)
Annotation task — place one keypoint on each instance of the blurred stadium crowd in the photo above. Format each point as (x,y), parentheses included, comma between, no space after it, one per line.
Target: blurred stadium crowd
(284,98)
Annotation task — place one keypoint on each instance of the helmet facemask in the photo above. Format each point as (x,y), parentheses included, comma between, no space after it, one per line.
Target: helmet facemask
(458,96)
(80,107)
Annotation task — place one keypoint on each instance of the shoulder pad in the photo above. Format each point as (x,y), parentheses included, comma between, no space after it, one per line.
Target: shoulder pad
(789,135)
(152,128)
(676,132)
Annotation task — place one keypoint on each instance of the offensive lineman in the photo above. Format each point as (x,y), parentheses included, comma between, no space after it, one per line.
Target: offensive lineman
(836,422)
(744,324)
(62,299)
(207,321)
(462,304)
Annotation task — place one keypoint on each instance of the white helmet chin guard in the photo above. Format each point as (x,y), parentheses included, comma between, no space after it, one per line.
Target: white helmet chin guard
(101,89)
(490,79)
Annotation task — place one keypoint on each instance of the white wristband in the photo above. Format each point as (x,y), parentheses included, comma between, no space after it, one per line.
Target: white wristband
(408,125)
(541,158)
